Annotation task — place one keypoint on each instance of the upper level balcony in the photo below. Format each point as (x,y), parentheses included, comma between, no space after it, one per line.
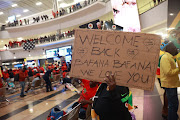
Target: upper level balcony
(83,15)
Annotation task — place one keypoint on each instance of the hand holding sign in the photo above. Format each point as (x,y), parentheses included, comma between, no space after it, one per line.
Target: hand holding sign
(111,82)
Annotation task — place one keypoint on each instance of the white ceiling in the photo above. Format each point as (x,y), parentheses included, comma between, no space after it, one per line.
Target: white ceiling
(8,10)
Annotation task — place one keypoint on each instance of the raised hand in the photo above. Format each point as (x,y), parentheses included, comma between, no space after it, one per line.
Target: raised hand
(110,80)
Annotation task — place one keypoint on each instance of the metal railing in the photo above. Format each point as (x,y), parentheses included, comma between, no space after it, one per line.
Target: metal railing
(149,6)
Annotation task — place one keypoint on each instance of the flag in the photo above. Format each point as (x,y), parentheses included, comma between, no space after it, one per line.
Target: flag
(29,45)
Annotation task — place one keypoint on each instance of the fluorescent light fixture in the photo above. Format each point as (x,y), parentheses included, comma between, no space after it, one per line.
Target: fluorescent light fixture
(14,5)
(1,13)
(20,38)
(1,40)
(18,15)
(171,14)
(39,3)
(63,5)
(170,28)
(25,10)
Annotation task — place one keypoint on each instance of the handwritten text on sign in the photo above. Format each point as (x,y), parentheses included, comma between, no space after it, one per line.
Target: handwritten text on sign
(131,57)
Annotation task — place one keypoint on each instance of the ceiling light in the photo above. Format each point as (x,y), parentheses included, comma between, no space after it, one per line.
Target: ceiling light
(14,5)
(1,40)
(18,15)
(170,28)
(1,13)
(43,53)
(29,55)
(63,5)
(39,3)
(171,14)
(6,21)
(26,10)
(14,57)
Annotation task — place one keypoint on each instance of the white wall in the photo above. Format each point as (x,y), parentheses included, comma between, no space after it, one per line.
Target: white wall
(155,16)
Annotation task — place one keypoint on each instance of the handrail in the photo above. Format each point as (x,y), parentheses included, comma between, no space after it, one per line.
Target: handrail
(148,6)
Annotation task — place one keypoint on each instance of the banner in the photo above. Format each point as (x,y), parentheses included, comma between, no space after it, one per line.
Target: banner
(126,15)
(131,57)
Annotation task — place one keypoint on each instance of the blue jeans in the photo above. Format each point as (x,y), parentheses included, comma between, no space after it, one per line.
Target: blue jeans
(22,83)
(173,103)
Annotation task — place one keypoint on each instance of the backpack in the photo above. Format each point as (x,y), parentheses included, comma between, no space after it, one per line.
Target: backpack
(55,113)
(16,77)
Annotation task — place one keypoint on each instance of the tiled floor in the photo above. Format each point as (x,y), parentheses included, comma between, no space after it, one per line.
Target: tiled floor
(37,106)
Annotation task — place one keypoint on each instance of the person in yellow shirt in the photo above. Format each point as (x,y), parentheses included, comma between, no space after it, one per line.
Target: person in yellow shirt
(170,80)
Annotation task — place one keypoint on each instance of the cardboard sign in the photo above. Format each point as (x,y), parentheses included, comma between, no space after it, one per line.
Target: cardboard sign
(131,57)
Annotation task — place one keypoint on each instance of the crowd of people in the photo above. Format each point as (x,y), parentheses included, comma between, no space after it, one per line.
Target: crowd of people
(108,100)
(10,78)
(58,13)
(156,2)
(49,38)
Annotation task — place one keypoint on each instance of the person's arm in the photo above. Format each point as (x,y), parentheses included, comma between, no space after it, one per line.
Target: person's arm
(84,102)
(166,67)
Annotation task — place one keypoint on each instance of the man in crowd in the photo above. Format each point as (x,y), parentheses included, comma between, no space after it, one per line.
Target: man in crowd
(22,76)
(110,101)
(47,80)
(6,76)
(170,80)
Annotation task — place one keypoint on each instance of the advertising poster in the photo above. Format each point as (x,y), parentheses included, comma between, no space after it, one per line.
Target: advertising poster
(126,15)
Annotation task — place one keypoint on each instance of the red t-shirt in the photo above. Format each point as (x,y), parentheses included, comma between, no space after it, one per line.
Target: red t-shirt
(5,75)
(42,69)
(26,73)
(54,72)
(22,75)
(64,74)
(64,68)
(87,92)
(37,75)
(1,84)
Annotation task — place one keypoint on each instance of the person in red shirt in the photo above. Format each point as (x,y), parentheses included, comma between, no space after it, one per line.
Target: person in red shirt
(6,76)
(64,73)
(36,77)
(41,69)
(88,92)
(54,71)
(1,82)
(22,76)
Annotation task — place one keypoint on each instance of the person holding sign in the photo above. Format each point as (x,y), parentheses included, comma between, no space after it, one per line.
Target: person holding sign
(170,80)
(110,101)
